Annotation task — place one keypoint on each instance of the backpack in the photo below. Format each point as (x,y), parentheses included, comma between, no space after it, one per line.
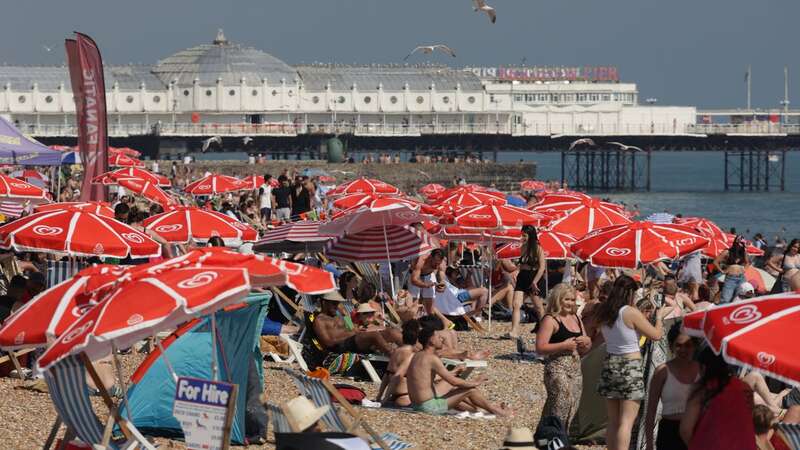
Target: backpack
(550,434)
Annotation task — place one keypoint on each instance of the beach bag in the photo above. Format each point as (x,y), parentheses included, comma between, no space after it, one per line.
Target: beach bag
(353,394)
(550,434)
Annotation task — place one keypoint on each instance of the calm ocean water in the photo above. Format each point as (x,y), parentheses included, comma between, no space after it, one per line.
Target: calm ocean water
(692,183)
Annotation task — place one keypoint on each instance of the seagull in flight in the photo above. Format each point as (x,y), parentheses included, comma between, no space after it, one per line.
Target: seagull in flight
(582,141)
(46,48)
(247,140)
(428,49)
(212,140)
(343,172)
(480,5)
(625,147)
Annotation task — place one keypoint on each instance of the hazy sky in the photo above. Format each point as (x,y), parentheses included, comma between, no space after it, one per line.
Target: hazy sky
(684,52)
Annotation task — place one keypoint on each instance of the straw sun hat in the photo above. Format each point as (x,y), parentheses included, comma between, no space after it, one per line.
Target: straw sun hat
(301,413)
(365,308)
(519,439)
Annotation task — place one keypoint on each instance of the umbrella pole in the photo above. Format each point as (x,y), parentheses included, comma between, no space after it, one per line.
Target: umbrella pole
(389,262)
(214,362)
(58,187)
(166,360)
(122,383)
(491,270)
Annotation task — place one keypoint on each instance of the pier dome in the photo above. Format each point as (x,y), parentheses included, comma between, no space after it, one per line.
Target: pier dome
(222,60)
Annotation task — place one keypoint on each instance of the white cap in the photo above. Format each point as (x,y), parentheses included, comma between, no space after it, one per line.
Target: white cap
(745,288)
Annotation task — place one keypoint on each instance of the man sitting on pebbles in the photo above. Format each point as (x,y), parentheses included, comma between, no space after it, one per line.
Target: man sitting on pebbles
(335,337)
(450,392)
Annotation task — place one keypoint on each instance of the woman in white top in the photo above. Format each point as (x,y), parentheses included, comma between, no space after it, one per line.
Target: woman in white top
(671,384)
(622,377)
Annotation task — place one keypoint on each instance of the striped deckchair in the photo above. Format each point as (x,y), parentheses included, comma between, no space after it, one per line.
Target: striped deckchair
(280,424)
(790,432)
(58,271)
(66,382)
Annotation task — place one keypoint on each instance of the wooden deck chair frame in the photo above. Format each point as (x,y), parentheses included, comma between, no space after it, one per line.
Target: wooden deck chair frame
(313,388)
(13,356)
(392,312)
(134,438)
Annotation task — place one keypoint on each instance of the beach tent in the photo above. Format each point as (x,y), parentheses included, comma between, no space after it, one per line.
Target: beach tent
(188,349)
(16,148)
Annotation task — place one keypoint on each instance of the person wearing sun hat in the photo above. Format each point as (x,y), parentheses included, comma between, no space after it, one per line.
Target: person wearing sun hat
(518,439)
(303,416)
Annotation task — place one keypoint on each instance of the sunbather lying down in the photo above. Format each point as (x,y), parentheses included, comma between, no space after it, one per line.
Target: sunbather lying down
(450,392)
(335,337)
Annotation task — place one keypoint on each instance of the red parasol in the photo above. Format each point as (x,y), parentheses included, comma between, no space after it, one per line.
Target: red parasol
(188,223)
(125,151)
(364,186)
(755,333)
(144,307)
(99,208)
(148,190)
(380,212)
(110,178)
(532,185)
(215,184)
(431,190)
(638,243)
(395,243)
(589,215)
(17,189)
(554,246)
(498,216)
(456,233)
(121,160)
(30,174)
(76,233)
(561,204)
(253,182)
(466,198)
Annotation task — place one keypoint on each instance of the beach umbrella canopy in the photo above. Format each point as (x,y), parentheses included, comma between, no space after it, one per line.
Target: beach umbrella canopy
(467,198)
(660,218)
(46,316)
(148,190)
(384,212)
(121,160)
(378,202)
(125,151)
(554,246)
(30,174)
(189,223)
(215,184)
(11,208)
(754,333)
(532,185)
(254,182)
(498,216)
(586,217)
(560,204)
(76,233)
(99,208)
(110,178)
(14,188)
(146,306)
(431,190)
(364,186)
(638,243)
(303,236)
(456,233)
(19,149)
(378,244)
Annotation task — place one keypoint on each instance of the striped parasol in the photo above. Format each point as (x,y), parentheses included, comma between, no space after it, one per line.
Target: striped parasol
(292,237)
(395,243)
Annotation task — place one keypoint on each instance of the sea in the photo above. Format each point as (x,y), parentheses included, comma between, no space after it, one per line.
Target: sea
(692,183)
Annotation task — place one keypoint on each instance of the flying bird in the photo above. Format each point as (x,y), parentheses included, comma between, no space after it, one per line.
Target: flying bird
(343,172)
(582,141)
(212,140)
(625,147)
(428,49)
(480,5)
(247,140)
(46,48)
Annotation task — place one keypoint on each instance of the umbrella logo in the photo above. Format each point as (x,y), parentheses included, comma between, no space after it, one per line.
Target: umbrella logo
(613,251)
(19,338)
(686,241)
(81,309)
(19,185)
(745,314)
(98,249)
(204,187)
(239,225)
(44,230)
(198,280)
(133,237)
(480,216)
(406,215)
(69,337)
(168,228)
(765,359)
(134,319)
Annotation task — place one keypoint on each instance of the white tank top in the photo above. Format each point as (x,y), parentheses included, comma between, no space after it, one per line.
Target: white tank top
(620,339)
(674,395)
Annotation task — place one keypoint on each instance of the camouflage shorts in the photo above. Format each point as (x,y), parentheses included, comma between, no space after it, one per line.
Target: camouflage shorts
(621,378)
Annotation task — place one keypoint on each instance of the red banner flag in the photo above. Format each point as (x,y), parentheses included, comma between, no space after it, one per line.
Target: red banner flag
(89,89)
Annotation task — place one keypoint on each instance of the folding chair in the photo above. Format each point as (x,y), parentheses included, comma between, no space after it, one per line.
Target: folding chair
(59,271)
(790,432)
(280,424)
(66,382)
(14,358)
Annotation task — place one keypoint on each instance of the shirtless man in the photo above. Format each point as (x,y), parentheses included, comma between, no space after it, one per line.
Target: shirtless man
(333,336)
(451,391)
(394,389)
(427,277)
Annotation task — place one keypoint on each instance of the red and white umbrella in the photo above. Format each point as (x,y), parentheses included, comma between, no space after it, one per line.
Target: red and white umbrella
(378,202)
(17,189)
(148,190)
(554,246)
(46,316)
(253,182)
(499,216)
(720,240)
(215,184)
(380,213)
(303,236)
(146,306)
(431,190)
(394,243)
(77,233)
(188,223)
(456,233)
(467,198)
(30,174)
(124,151)
(99,208)
(121,160)
(560,204)
(110,178)
(588,216)
(532,185)
(755,333)
(638,243)
(364,186)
